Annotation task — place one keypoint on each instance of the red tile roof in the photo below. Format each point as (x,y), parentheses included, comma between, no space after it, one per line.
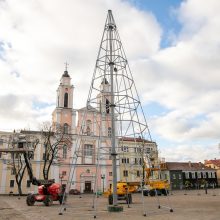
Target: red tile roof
(215,162)
(135,139)
(186,166)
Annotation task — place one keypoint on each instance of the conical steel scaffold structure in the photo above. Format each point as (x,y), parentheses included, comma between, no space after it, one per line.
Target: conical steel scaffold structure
(114,95)
(112,116)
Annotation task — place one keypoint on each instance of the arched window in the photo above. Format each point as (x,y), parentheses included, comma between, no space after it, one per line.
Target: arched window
(64,152)
(107,106)
(58,100)
(109,131)
(66,100)
(65,128)
(88,127)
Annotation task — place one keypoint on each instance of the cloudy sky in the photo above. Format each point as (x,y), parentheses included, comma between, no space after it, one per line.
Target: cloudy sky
(175,61)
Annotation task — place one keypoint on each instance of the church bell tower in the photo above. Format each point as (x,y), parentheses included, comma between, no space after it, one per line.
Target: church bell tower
(64,114)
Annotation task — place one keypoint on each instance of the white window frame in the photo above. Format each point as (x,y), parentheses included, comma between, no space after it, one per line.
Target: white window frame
(125,160)
(88,150)
(125,173)
(109,131)
(187,175)
(213,175)
(193,175)
(124,149)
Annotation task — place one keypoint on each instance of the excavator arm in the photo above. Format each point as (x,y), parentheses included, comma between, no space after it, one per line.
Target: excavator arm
(26,153)
(33,179)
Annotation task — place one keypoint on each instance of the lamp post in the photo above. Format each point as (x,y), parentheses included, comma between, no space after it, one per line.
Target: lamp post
(61,178)
(103,180)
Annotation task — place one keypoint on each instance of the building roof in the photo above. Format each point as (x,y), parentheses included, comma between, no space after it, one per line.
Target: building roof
(139,140)
(88,108)
(186,166)
(215,162)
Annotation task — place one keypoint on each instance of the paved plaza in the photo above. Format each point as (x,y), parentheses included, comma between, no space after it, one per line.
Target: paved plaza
(187,205)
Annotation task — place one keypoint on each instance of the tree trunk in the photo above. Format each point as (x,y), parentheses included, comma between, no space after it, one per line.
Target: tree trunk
(20,189)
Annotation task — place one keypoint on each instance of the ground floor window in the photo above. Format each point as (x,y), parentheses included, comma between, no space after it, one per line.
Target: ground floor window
(28,183)
(125,173)
(12,183)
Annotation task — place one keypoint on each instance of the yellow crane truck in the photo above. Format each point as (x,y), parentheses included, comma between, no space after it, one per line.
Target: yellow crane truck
(124,191)
(155,185)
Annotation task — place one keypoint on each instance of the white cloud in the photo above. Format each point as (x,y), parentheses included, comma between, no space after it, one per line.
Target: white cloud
(39,36)
(185,153)
(184,77)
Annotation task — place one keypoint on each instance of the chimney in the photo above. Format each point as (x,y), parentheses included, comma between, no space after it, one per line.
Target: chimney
(190,165)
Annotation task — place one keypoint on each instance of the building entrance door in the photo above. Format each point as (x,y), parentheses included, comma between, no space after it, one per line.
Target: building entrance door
(88,187)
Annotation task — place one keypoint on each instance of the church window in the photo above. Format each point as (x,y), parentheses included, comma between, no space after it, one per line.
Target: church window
(66,100)
(88,127)
(107,105)
(58,101)
(64,152)
(65,128)
(88,150)
(109,132)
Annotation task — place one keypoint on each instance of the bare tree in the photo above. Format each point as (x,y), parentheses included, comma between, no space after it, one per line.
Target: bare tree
(17,163)
(56,140)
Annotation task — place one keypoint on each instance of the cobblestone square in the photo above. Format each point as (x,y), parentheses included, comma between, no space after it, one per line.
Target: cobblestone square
(194,205)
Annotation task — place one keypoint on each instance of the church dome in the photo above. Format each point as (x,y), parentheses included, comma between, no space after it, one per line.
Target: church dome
(65,74)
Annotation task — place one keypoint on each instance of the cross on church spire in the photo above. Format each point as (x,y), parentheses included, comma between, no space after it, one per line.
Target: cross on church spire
(66,72)
(66,65)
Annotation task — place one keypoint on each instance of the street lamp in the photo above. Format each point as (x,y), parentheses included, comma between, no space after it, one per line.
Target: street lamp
(103,179)
(61,178)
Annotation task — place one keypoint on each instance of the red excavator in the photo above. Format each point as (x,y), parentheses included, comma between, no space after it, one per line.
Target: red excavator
(48,190)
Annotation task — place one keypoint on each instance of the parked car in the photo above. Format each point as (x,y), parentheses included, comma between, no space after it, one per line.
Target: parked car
(74,192)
